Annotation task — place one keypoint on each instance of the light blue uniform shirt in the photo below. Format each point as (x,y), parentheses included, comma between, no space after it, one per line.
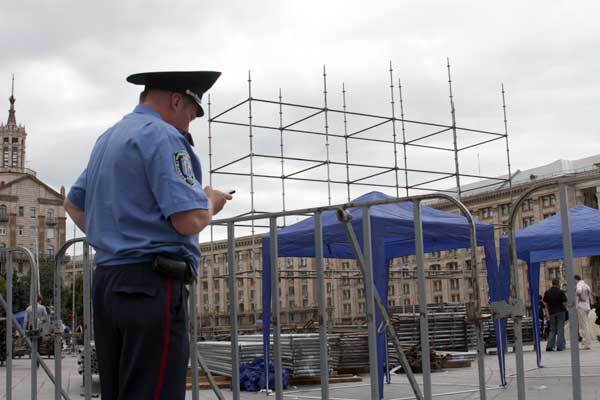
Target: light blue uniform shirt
(141,171)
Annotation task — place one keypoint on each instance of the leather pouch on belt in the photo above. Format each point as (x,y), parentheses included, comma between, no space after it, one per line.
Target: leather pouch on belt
(178,269)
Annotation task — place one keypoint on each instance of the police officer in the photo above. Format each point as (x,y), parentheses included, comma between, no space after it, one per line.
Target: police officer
(141,204)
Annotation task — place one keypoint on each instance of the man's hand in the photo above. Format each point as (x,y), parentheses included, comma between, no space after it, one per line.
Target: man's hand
(216,198)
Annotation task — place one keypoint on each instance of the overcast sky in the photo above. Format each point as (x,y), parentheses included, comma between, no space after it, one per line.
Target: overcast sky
(70,60)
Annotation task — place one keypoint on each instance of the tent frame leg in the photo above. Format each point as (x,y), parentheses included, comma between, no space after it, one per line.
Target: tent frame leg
(345,218)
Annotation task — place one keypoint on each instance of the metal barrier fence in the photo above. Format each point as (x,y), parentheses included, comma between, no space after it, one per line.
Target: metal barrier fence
(372,299)
(514,309)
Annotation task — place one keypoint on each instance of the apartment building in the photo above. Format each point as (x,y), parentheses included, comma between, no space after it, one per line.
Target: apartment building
(448,273)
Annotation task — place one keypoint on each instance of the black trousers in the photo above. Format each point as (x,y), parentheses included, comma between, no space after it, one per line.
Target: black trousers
(141,333)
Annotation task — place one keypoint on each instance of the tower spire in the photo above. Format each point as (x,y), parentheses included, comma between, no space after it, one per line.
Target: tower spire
(12,120)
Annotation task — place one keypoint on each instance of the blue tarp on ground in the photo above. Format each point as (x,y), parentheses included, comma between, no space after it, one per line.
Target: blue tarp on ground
(542,241)
(392,237)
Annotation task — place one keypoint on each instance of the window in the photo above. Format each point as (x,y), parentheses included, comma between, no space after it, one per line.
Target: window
(240,283)
(452,266)
(548,215)
(20,230)
(217,298)
(347,309)
(21,211)
(361,308)
(303,261)
(468,265)
(240,294)
(345,281)
(435,254)
(5,155)
(505,209)
(392,303)
(454,284)
(205,285)
(405,273)
(292,303)
(553,273)
(406,288)
(404,259)
(216,284)
(50,250)
(345,265)
(548,201)
(437,286)
(329,302)
(391,290)
(252,294)
(289,262)
(32,212)
(528,221)
(2,230)
(304,291)
(435,267)
(527,205)
(361,293)
(3,213)
(15,140)
(291,291)
(487,212)
(328,287)
(406,302)
(346,294)
(438,299)
(15,156)
(452,253)
(455,298)
(50,233)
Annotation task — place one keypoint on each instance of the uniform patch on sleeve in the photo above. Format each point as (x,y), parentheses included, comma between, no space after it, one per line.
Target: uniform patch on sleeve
(183,167)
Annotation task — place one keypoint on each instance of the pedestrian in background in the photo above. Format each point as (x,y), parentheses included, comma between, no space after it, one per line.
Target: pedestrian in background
(583,293)
(555,300)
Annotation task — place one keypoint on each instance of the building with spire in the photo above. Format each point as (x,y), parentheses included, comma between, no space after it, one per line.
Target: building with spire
(31,212)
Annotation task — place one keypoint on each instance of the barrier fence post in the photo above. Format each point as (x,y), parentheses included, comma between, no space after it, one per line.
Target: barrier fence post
(33,293)
(235,356)
(571,295)
(193,315)
(276,312)
(87,347)
(9,323)
(370,289)
(518,317)
(323,317)
(477,311)
(57,331)
(424,327)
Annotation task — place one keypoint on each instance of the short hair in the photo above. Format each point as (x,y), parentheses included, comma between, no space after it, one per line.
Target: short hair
(40,298)
(577,277)
(143,95)
(555,282)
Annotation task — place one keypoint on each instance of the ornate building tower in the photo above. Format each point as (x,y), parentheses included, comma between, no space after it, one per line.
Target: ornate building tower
(31,212)
(12,140)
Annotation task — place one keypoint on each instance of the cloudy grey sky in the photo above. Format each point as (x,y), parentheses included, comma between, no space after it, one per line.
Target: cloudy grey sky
(70,60)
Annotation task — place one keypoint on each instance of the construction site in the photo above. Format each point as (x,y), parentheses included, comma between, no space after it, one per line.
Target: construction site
(370,276)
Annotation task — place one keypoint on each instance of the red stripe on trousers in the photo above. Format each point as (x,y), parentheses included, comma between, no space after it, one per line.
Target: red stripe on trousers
(164,356)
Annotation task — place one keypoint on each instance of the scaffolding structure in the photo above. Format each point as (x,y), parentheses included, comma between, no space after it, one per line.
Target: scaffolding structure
(397,134)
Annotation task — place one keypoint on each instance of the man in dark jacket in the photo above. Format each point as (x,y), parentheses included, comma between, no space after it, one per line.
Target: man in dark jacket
(555,300)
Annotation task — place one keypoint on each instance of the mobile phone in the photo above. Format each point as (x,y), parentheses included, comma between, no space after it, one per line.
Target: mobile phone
(230,191)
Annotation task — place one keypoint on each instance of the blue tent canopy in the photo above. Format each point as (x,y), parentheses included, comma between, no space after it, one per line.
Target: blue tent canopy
(542,241)
(392,236)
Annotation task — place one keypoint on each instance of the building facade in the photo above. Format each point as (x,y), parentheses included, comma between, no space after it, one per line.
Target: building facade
(31,212)
(448,272)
